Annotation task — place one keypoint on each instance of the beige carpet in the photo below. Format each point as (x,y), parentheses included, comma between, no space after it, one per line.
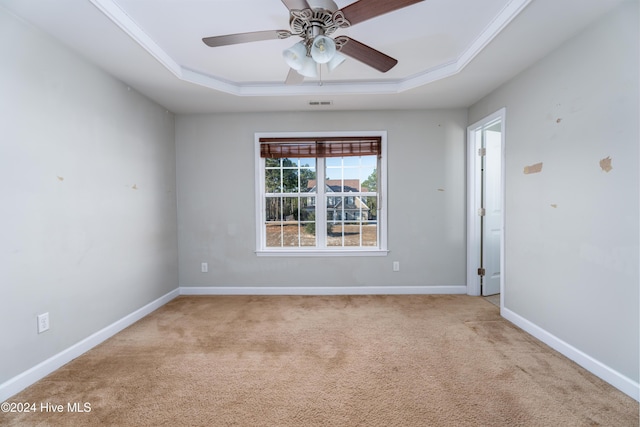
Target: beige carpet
(325,361)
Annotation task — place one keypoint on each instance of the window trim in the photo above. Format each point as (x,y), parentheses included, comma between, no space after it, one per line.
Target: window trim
(262,250)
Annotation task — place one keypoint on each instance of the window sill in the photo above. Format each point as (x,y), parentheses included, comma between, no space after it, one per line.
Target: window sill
(322,253)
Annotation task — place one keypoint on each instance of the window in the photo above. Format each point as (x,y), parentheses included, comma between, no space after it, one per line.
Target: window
(321,193)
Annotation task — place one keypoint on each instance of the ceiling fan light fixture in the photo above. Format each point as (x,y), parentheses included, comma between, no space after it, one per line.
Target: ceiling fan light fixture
(295,56)
(323,49)
(337,59)
(309,68)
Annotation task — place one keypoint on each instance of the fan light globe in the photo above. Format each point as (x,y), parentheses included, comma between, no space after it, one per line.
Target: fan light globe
(309,68)
(323,49)
(295,56)
(337,59)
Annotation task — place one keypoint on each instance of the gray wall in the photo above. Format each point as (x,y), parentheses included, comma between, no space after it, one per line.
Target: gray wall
(573,269)
(88,212)
(216,201)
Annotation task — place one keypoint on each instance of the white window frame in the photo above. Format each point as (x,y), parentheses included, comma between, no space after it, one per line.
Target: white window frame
(261,247)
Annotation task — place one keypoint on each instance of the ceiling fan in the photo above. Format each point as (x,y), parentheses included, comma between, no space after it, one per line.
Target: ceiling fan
(314,21)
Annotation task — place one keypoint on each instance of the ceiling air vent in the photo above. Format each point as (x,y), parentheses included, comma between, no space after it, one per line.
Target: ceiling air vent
(320,103)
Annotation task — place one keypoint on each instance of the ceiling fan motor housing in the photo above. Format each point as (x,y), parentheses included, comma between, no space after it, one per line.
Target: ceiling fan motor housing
(329,5)
(322,18)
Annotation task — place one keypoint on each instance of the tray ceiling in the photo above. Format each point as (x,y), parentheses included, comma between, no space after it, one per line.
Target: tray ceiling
(450,52)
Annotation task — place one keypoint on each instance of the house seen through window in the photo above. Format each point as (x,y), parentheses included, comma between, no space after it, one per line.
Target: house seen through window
(320,194)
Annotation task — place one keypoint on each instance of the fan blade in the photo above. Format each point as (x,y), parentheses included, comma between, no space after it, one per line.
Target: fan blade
(245,37)
(296,4)
(366,54)
(366,9)
(294,78)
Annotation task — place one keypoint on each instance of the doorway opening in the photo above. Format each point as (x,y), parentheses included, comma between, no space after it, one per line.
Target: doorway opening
(485,200)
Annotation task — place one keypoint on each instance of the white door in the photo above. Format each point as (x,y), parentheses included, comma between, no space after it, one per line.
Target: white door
(491,222)
(485,218)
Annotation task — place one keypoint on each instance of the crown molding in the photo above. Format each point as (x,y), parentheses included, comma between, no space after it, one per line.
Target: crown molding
(119,17)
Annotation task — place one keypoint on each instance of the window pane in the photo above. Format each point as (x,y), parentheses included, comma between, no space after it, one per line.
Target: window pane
(290,163)
(352,233)
(273,209)
(368,161)
(333,173)
(351,185)
(333,185)
(334,209)
(369,234)
(370,183)
(307,209)
(272,181)
(290,208)
(274,234)
(290,233)
(333,162)
(350,208)
(369,208)
(334,233)
(307,175)
(290,182)
(272,163)
(369,179)
(308,234)
(308,163)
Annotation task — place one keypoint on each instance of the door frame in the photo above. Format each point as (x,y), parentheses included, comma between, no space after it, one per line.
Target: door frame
(473,203)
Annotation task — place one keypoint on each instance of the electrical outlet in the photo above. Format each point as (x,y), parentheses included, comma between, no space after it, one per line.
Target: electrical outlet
(396,265)
(204,267)
(43,322)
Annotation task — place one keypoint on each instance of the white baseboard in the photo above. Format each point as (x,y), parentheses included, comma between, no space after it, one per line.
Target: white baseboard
(322,290)
(613,377)
(25,379)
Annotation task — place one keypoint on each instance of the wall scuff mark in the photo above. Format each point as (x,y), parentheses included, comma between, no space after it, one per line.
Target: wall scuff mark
(554,206)
(135,187)
(605,164)
(60,178)
(533,168)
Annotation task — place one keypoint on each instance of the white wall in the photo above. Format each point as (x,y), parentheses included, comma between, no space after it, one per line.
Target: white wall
(216,201)
(88,211)
(572,229)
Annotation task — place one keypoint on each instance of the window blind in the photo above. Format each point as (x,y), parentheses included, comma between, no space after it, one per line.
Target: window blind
(277,148)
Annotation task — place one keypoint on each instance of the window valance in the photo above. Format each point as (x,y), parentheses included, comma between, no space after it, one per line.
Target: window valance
(276,148)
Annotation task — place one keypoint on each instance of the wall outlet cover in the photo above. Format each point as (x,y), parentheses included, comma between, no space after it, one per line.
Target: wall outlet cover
(43,322)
